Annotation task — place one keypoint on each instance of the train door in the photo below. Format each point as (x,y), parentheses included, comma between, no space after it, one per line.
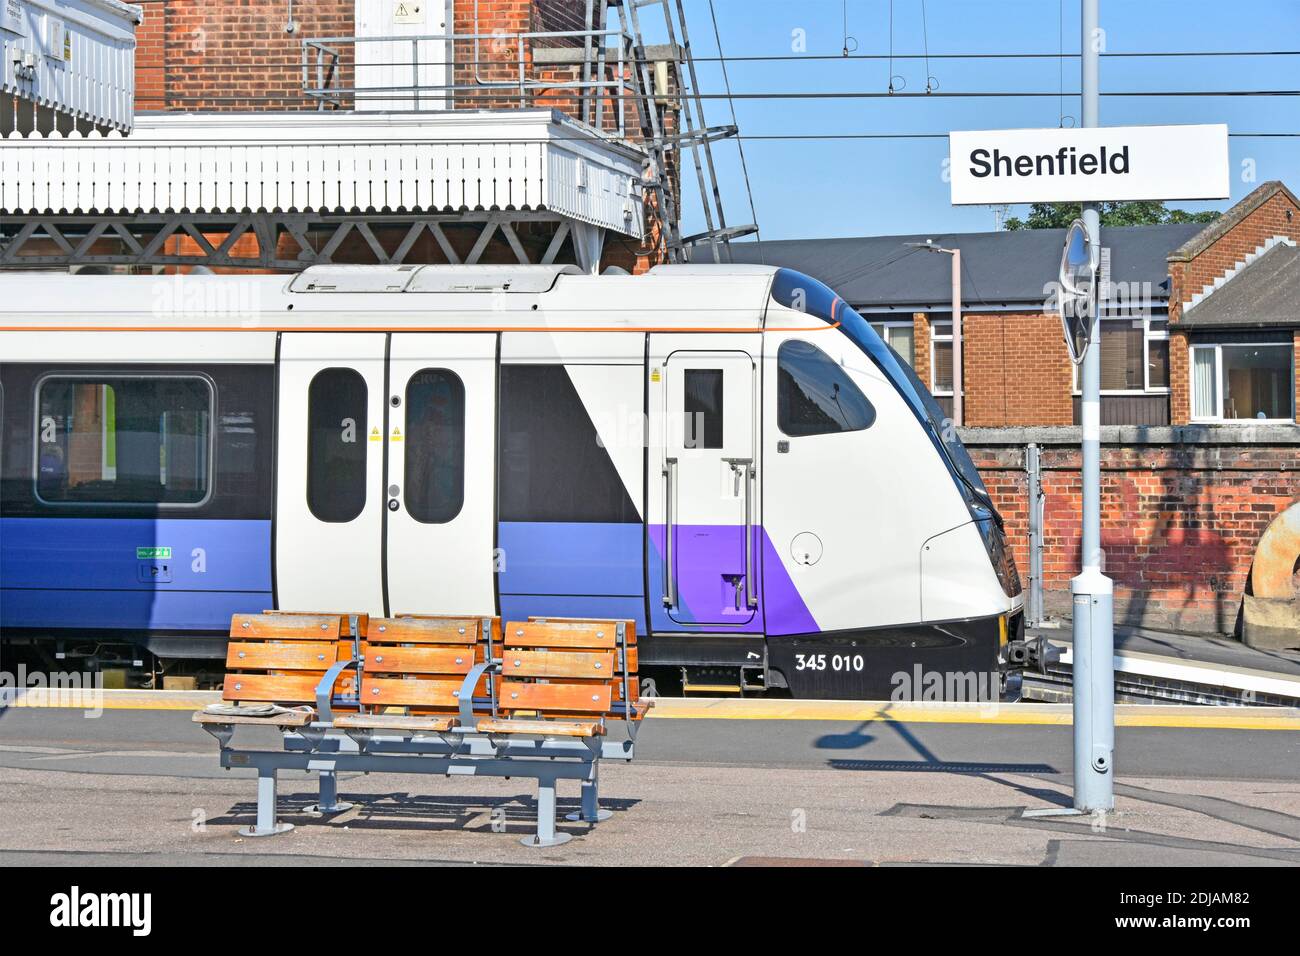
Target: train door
(704,505)
(441,473)
(329,511)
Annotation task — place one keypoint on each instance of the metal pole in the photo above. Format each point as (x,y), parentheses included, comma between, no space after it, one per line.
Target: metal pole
(958,405)
(1091,591)
(1034,481)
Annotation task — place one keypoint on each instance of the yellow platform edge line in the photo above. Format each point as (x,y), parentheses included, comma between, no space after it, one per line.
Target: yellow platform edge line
(1025,714)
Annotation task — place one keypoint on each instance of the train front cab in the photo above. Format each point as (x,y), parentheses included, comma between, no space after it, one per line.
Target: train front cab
(892,572)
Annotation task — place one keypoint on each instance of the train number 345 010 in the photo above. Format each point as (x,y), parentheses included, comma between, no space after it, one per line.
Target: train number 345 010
(833,662)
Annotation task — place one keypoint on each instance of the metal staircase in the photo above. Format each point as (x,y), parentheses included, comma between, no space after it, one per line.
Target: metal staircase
(667,136)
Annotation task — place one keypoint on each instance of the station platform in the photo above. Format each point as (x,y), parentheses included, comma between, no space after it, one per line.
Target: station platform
(715,783)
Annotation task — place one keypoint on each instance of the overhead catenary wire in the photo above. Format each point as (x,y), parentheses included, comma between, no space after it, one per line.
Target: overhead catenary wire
(931,81)
(744,166)
(892,75)
(387,92)
(296,64)
(796,57)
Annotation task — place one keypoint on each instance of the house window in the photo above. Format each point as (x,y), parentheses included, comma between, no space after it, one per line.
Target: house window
(941,358)
(1134,356)
(1157,345)
(1243,382)
(899,337)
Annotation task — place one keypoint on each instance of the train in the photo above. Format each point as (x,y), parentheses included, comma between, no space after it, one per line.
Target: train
(728,455)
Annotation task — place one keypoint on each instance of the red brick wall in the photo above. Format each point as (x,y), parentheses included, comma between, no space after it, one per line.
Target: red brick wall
(151,57)
(1261,224)
(1180,523)
(921,345)
(201,55)
(1180,382)
(498,59)
(1015,365)
(1017,370)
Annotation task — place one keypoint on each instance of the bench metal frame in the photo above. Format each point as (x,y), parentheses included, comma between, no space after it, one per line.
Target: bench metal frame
(459,751)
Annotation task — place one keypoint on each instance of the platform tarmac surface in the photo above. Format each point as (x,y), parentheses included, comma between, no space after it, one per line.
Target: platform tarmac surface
(142,787)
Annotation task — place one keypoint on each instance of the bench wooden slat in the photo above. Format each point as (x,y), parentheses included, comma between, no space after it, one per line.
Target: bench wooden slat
(290,655)
(546,728)
(395,722)
(629,626)
(396,692)
(599,636)
(517,663)
(423,630)
(382,659)
(296,688)
(288,627)
(591,698)
(297,718)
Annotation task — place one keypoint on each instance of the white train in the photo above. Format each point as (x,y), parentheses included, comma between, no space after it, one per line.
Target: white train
(728,455)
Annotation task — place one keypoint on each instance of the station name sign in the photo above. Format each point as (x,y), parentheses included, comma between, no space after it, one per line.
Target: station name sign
(1089,165)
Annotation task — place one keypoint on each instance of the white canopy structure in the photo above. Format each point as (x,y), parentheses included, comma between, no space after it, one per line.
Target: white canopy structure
(68,66)
(315,177)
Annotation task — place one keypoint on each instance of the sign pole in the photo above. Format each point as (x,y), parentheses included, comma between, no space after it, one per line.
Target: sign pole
(1091,591)
(958,385)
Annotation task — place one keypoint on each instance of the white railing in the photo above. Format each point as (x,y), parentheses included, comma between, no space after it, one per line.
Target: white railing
(475,71)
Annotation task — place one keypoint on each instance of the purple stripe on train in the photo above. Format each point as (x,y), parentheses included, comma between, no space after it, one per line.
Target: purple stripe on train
(710,565)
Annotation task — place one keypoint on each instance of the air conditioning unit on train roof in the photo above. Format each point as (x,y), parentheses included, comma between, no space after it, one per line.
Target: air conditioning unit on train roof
(430,278)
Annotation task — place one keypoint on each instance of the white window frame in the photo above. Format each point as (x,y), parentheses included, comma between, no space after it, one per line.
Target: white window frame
(1218,348)
(1149,335)
(101,378)
(896,324)
(935,337)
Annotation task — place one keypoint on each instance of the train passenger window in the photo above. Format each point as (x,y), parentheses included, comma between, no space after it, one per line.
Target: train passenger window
(435,445)
(815,396)
(124,440)
(336,444)
(703,403)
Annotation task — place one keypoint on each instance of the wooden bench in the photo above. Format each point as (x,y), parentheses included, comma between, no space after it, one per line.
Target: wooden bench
(431,694)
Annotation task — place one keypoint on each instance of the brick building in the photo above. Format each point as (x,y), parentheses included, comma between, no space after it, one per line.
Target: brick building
(1200,403)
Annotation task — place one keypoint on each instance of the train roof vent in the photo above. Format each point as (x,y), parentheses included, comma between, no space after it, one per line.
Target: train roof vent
(354,279)
(499,278)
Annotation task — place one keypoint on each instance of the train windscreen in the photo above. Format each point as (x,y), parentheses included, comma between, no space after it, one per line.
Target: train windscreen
(804,294)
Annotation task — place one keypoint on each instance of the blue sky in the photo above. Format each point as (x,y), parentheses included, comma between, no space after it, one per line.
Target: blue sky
(845,188)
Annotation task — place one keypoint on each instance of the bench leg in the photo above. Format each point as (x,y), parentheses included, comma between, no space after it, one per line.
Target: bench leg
(591,811)
(266,823)
(329,795)
(546,835)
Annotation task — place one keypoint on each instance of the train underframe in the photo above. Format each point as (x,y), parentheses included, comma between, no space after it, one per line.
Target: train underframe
(975,659)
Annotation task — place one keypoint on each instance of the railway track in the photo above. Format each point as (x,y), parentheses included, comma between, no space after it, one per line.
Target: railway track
(1150,678)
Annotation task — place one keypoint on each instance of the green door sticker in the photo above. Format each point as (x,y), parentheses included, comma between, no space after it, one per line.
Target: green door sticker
(146,554)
